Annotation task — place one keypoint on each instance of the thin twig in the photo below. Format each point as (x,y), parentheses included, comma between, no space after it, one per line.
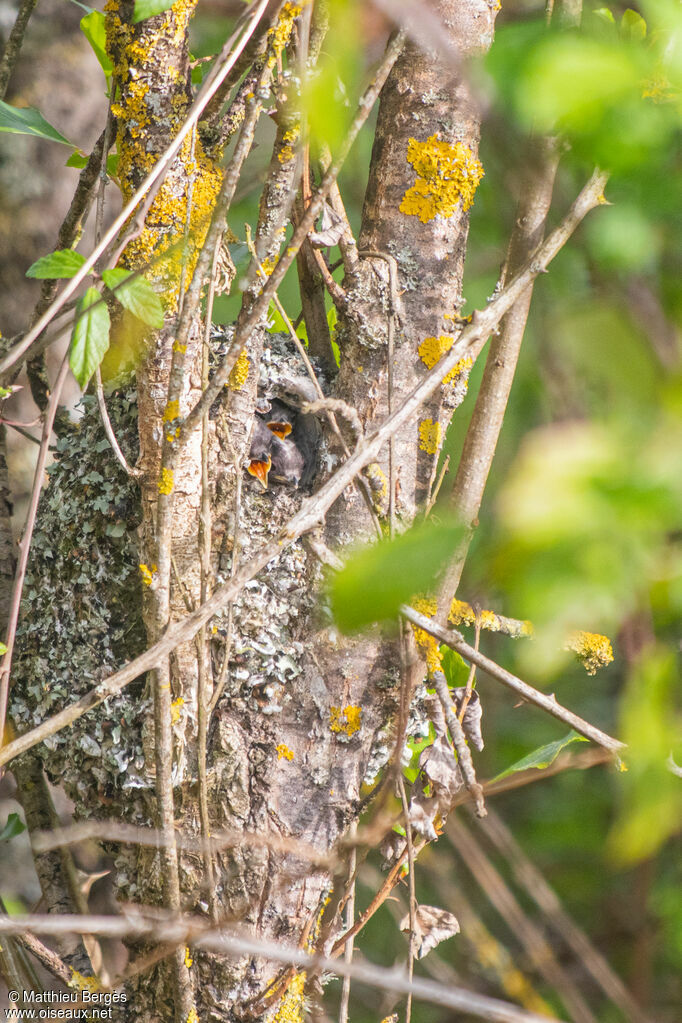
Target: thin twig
(349,920)
(533,941)
(203,657)
(13,46)
(109,430)
(472,675)
(392,313)
(456,641)
(498,376)
(133,834)
(413,896)
(193,931)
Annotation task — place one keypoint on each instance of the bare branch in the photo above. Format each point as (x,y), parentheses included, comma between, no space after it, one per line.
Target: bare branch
(456,641)
(192,931)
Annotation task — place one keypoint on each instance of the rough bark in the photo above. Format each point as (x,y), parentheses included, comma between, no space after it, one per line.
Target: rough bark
(306,714)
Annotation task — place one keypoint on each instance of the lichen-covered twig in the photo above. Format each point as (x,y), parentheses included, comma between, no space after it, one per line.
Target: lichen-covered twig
(224,64)
(13,45)
(456,641)
(459,741)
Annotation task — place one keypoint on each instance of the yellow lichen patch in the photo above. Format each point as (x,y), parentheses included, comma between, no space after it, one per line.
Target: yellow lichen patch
(172,437)
(165,485)
(431,351)
(147,574)
(180,349)
(268,264)
(188,958)
(239,372)
(287,152)
(291,1007)
(593,650)
(347,719)
(284,753)
(279,35)
(193,1016)
(171,411)
(151,106)
(430,436)
(447,173)
(462,613)
(176,710)
(83,983)
(427,644)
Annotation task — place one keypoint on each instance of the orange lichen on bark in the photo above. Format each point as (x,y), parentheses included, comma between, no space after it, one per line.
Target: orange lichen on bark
(426,643)
(430,436)
(593,650)
(347,720)
(283,752)
(151,106)
(448,174)
(431,351)
(239,372)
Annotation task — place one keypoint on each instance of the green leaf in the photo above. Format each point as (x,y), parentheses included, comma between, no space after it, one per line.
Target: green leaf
(605,14)
(77,159)
(377,579)
(455,668)
(92,26)
(148,8)
(411,770)
(633,25)
(543,756)
(59,265)
(3,646)
(276,324)
(12,828)
(136,295)
(90,338)
(28,121)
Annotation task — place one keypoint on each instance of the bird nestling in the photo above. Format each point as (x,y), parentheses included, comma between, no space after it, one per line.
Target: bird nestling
(284,444)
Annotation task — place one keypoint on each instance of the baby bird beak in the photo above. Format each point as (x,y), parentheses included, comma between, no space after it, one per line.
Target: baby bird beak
(260,469)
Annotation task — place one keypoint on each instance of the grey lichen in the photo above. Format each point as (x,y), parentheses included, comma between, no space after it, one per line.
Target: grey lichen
(80,615)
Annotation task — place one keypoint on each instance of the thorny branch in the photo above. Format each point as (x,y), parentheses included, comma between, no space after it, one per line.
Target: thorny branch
(314,508)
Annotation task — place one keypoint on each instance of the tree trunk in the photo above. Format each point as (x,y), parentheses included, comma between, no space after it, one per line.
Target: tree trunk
(306,714)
